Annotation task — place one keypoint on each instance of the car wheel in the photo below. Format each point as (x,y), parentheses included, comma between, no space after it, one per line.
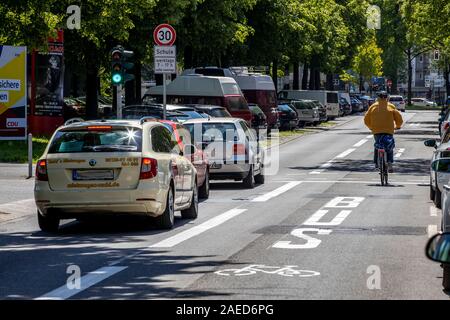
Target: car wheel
(446,277)
(437,198)
(249,180)
(192,211)
(48,224)
(167,219)
(260,178)
(203,192)
(432,193)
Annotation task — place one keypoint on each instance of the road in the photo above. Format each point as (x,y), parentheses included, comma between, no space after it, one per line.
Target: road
(324,213)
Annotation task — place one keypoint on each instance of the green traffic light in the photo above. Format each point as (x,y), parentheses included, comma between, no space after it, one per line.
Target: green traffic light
(117,78)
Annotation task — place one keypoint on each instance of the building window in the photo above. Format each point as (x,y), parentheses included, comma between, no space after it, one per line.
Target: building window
(421,58)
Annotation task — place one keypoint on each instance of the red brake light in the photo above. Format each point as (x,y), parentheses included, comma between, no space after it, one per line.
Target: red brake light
(99,128)
(149,168)
(41,170)
(239,149)
(446,125)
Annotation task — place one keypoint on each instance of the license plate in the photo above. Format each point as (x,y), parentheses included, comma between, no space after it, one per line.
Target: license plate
(93,175)
(215,166)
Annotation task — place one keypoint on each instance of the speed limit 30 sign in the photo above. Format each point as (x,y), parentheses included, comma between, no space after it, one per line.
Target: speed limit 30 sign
(164,35)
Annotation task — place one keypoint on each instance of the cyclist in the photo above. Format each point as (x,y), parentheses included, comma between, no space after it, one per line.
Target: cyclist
(382,118)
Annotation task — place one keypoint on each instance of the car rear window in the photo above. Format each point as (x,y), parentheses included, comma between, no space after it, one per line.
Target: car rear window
(114,140)
(219,113)
(237,104)
(396,99)
(220,131)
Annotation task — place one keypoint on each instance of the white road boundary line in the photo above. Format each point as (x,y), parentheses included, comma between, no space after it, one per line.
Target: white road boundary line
(195,231)
(87,281)
(276,192)
(361,182)
(433,211)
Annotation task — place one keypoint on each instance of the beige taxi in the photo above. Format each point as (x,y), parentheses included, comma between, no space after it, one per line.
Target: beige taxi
(114,167)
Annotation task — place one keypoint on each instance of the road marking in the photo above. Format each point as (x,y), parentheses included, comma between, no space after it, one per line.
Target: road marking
(363,182)
(369,136)
(433,211)
(276,192)
(432,230)
(286,271)
(345,153)
(360,143)
(316,171)
(195,231)
(87,281)
(399,153)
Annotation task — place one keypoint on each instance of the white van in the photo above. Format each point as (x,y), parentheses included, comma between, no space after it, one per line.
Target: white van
(329,99)
(199,89)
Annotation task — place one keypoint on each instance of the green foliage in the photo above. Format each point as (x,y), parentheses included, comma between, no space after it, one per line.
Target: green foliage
(367,61)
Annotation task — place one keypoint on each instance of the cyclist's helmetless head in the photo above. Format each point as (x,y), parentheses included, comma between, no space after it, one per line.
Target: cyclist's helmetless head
(383,95)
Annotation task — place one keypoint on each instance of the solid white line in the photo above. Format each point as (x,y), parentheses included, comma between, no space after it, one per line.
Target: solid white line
(360,143)
(432,230)
(433,211)
(316,171)
(345,153)
(369,136)
(86,282)
(327,164)
(361,182)
(276,192)
(185,235)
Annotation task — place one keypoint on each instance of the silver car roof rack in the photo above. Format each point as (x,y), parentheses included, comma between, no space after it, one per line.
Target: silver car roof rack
(73,120)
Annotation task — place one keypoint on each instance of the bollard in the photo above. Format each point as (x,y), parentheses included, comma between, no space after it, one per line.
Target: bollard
(30,156)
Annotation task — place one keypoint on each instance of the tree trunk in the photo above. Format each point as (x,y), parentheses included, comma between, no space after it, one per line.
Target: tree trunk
(317,79)
(129,92)
(188,58)
(91,82)
(330,82)
(305,77)
(275,74)
(296,82)
(409,76)
(447,81)
(312,78)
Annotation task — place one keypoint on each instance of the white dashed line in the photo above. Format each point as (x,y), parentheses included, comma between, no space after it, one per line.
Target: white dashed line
(276,192)
(360,143)
(432,230)
(195,231)
(87,281)
(345,153)
(399,153)
(433,211)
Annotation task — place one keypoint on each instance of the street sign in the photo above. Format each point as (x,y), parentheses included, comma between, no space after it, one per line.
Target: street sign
(164,35)
(13,93)
(389,83)
(165,59)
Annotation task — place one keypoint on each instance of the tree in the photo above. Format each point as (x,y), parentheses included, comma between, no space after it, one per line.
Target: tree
(367,61)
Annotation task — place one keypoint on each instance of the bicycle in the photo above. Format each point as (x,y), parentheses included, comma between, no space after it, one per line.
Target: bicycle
(382,166)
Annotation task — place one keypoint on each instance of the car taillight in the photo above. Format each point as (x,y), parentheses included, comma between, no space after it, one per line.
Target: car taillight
(446,125)
(239,149)
(41,170)
(149,168)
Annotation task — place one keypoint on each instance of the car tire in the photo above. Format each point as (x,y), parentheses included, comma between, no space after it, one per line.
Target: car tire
(260,178)
(437,198)
(249,180)
(48,224)
(167,219)
(446,277)
(192,211)
(203,192)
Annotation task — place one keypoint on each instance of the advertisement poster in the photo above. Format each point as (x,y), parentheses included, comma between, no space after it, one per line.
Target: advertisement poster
(50,79)
(13,93)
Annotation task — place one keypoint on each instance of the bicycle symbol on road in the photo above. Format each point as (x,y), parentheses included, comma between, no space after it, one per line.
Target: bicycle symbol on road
(286,271)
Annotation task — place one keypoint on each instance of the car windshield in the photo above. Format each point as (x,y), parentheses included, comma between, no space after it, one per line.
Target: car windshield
(220,113)
(113,140)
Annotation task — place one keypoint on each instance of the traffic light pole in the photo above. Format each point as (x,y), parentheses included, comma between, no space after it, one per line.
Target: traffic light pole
(119,101)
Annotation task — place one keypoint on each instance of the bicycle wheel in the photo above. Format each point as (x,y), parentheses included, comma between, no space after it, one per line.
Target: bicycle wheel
(381,166)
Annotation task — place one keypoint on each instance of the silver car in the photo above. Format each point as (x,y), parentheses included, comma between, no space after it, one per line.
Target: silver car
(398,102)
(232,148)
(440,167)
(308,112)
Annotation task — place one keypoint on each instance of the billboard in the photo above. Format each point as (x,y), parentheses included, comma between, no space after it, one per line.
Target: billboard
(13,93)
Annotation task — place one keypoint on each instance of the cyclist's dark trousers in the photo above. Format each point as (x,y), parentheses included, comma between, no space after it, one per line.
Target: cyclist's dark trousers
(390,153)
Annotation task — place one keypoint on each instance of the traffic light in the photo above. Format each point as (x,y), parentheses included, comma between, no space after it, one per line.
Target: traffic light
(121,65)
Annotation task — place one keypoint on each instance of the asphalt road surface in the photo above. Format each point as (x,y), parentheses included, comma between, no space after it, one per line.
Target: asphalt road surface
(321,228)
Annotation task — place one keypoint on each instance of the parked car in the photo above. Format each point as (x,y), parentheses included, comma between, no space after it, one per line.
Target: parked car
(423,102)
(288,116)
(357,105)
(213,111)
(330,99)
(398,102)
(345,107)
(196,155)
(232,149)
(438,249)
(307,112)
(115,167)
(259,119)
(322,110)
(173,113)
(440,166)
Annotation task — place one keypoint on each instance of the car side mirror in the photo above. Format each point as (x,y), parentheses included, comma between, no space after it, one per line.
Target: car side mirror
(430,143)
(438,248)
(189,150)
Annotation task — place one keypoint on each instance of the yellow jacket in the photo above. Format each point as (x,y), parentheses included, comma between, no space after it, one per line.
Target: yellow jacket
(381,116)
